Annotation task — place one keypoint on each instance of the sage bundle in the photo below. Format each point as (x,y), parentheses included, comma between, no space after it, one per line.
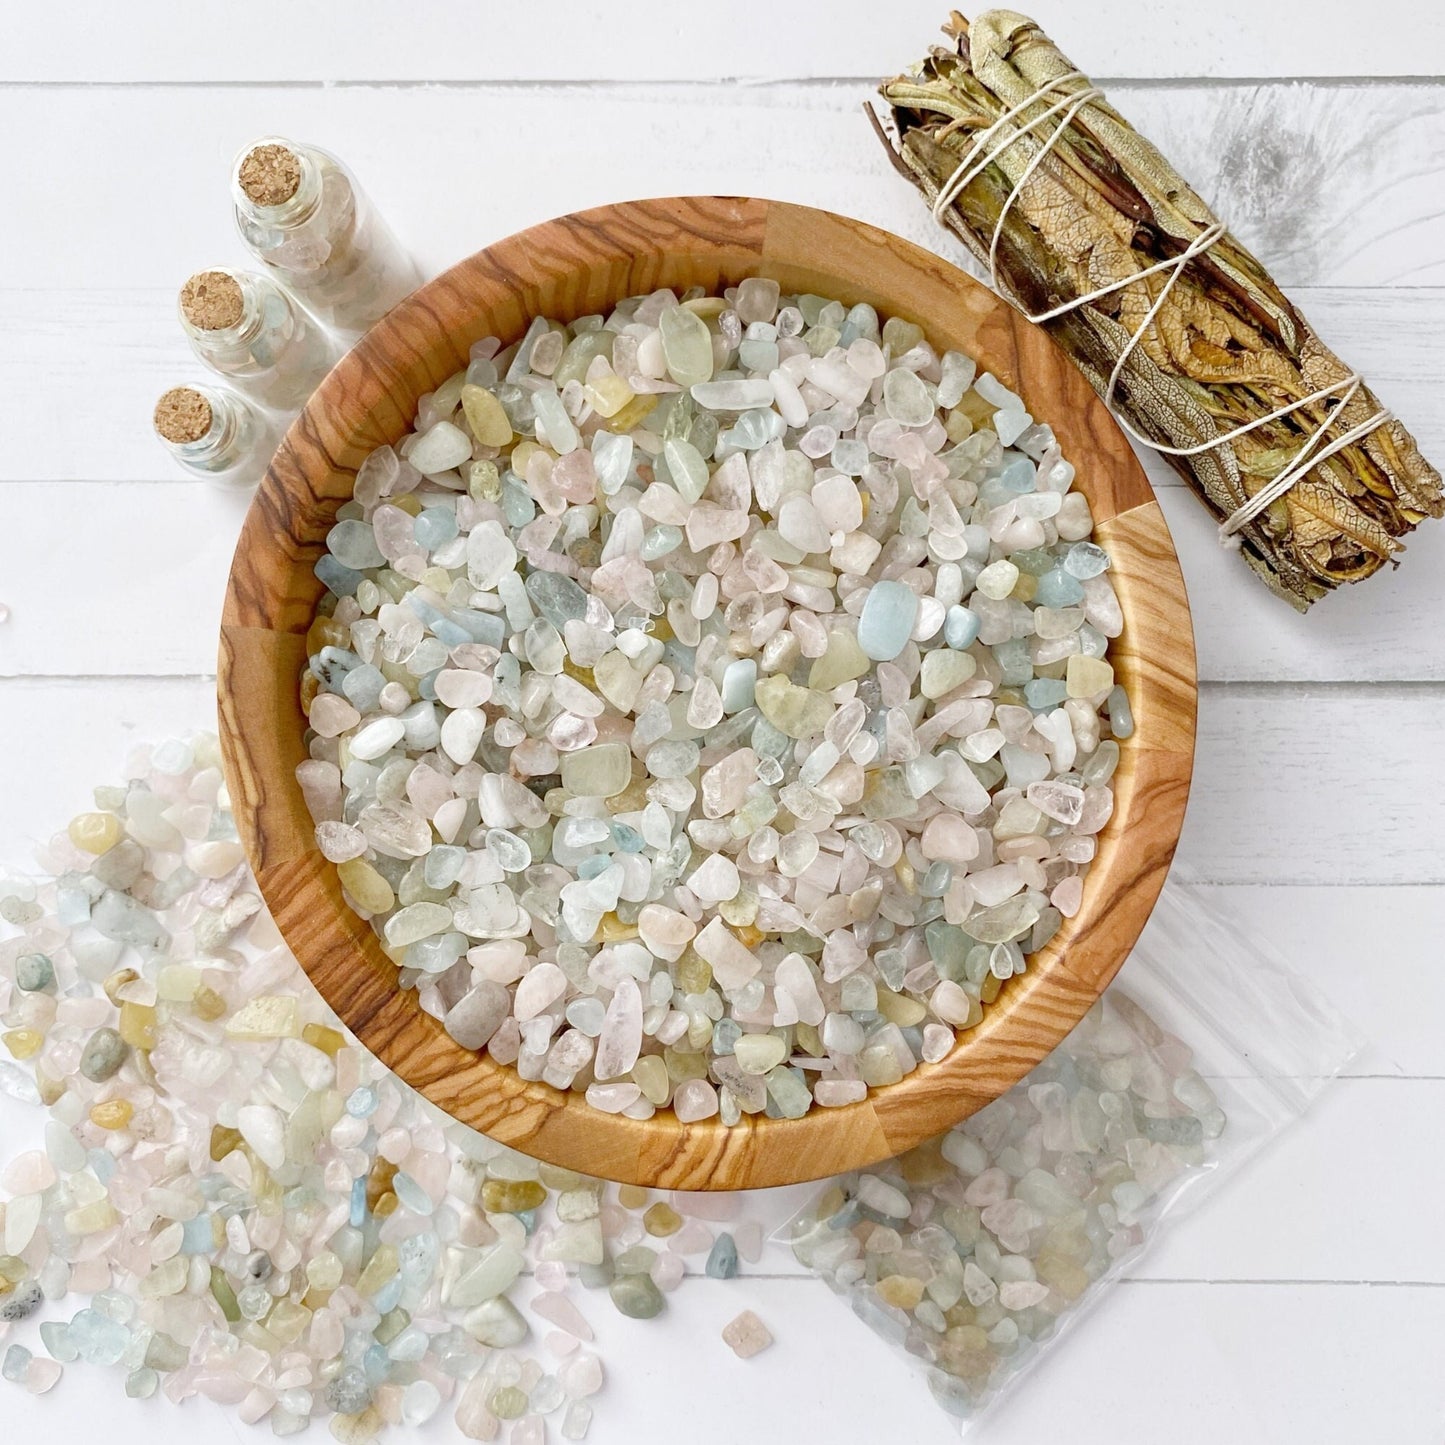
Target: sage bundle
(1089,230)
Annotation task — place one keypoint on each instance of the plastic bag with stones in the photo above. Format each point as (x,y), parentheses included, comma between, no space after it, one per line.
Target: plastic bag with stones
(975,1252)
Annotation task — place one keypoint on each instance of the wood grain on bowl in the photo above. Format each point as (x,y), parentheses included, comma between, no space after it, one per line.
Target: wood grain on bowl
(566,268)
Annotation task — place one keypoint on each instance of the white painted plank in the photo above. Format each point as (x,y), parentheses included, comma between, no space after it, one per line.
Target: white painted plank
(1295,786)
(432,40)
(1389,334)
(1367,950)
(143,580)
(1333,185)
(146,566)
(1309,785)
(1377,630)
(1331,1364)
(1300,1210)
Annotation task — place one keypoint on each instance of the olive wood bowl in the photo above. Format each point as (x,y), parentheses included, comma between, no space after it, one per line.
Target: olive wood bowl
(572,266)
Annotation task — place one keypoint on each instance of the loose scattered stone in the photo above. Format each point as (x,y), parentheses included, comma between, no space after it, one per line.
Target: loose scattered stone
(747,1335)
(219,1150)
(636,1296)
(722,1259)
(104,1053)
(709,707)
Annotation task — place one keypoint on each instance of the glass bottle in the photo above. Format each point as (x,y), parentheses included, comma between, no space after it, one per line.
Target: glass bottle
(248,329)
(302,213)
(216,433)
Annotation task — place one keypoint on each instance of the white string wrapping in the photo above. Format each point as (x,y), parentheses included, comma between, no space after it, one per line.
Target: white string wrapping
(985,149)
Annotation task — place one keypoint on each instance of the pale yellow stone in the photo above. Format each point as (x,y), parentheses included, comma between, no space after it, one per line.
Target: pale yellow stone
(95,833)
(485,417)
(138,1025)
(650,1075)
(797,712)
(662,1220)
(944,669)
(330,1041)
(177,983)
(23,1043)
(1088,676)
(900,1290)
(607,393)
(91,1218)
(113,1114)
(371,891)
(900,1009)
(269,1016)
(842,662)
(379,1268)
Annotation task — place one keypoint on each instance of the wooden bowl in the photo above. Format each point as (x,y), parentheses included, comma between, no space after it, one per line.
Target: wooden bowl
(570,267)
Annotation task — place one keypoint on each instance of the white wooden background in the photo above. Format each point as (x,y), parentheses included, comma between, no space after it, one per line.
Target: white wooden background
(1306,1302)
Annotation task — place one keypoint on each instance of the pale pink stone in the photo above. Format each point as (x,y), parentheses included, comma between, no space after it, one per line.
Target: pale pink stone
(994,885)
(833,1093)
(394,1145)
(42,1374)
(28,1173)
(715,881)
(937,1042)
(800,525)
(991,1187)
(707,525)
(1022,1294)
(256,1406)
(557,1309)
(331,715)
(667,1272)
(695,1099)
(855,554)
(730,485)
(725,785)
(747,1335)
(951,1003)
(748,1237)
(560,1345)
(474,1419)
(765,574)
(1068,894)
(84,1013)
(947,838)
(693,1238)
(327,1334)
(731,963)
(541,986)
(581,1376)
(550,1274)
(705,708)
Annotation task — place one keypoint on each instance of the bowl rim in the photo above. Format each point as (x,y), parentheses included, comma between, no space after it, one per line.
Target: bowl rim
(570,266)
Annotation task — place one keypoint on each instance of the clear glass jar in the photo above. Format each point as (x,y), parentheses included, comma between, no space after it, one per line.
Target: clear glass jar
(217,434)
(248,329)
(302,214)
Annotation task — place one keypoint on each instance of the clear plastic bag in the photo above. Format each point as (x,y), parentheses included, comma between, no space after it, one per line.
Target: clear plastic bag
(977,1251)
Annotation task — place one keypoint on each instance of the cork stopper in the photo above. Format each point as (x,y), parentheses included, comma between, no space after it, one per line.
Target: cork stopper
(269,174)
(182,415)
(212,301)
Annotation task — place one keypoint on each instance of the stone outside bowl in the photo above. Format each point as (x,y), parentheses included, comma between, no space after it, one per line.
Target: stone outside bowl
(573,266)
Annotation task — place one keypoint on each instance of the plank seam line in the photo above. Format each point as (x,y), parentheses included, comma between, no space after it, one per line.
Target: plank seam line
(758,83)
